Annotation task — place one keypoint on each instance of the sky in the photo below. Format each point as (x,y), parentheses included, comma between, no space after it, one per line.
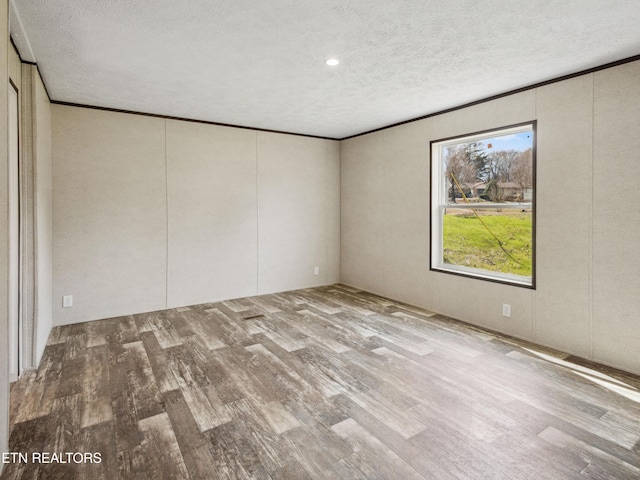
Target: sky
(516,141)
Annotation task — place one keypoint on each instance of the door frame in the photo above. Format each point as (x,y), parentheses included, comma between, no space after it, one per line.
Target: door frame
(15,235)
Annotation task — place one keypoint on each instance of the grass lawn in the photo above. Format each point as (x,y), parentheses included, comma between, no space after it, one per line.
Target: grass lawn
(468,243)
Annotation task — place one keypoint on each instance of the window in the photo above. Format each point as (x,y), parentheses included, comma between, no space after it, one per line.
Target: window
(483,205)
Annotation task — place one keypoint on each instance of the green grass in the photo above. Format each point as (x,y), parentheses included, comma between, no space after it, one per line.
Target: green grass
(468,243)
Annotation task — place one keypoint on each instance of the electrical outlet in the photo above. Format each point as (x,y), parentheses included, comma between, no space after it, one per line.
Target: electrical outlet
(67,301)
(316,270)
(506,310)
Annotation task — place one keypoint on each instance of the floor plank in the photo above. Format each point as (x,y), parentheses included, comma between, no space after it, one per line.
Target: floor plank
(160,450)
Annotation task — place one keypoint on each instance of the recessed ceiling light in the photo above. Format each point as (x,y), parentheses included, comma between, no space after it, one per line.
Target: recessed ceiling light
(332,62)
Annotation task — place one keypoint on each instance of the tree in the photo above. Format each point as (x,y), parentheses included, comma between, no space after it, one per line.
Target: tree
(501,164)
(494,192)
(458,165)
(522,172)
(477,156)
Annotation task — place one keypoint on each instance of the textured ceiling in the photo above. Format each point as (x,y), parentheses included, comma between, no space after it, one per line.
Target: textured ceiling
(261,63)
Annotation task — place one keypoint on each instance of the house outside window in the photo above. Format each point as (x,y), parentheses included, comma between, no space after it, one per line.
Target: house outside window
(483,205)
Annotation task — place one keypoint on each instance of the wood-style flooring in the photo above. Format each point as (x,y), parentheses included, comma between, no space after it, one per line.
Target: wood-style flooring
(322,383)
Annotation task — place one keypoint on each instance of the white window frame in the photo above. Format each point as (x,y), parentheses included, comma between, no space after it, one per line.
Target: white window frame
(439,197)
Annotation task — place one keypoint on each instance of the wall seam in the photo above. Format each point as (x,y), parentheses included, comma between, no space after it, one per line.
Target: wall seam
(339,272)
(166,197)
(257,221)
(384,212)
(534,296)
(591,229)
(326,215)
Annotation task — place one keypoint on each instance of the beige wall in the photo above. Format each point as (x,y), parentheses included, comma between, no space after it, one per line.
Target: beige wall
(109,214)
(4,240)
(588,163)
(211,192)
(565,176)
(616,217)
(298,215)
(151,213)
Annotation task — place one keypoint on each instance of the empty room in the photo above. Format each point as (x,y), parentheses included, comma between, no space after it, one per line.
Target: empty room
(320,239)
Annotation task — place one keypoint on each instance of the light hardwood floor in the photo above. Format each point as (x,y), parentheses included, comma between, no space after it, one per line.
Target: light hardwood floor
(323,383)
